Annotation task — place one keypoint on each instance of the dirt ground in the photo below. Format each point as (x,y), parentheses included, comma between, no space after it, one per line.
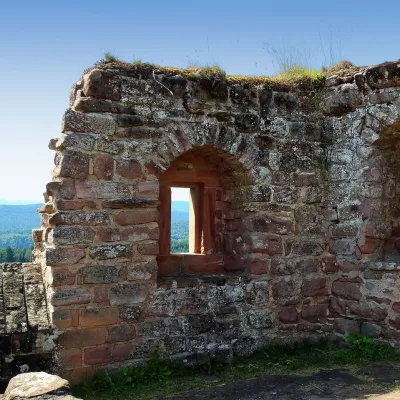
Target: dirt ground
(376,382)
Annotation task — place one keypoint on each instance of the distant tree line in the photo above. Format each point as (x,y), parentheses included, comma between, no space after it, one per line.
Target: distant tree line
(9,254)
(180,236)
(180,246)
(16,239)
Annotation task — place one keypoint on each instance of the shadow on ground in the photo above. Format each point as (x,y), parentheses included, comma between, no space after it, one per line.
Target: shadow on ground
(377,382)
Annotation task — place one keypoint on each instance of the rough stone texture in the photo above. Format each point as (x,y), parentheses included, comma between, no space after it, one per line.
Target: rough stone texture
(305,219)
(37,385)
(26,336)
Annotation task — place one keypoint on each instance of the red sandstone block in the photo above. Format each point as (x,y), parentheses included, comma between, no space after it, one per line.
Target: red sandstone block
(347,266)
(396,307)
(289,315)
(391,246)
(314,287)
(122,351)
(234,263)
(136,233)
(153,171)
(395,323)
(64,255)
(128,294)
(135,217)
(234,243)
(304,179)
(282,289)
(170,265)
(129,169)
(121,333)
(259,267)
(100,296)
(70,295)
(75,317)
(97,355)
(203,263)
(344,230)
(141,268)
(62,277)
(148,248)
(233,225)
(266,243)
(330,264)
(338,306)
(218,214)
(61,190)
(102,190)
(73,205)
(315,313)
(269,224)
(148,189)
(109,235)
(369,246)
(103,167)
(70,358)
(371,311)
(346,288)
(346,326)
(62,318)
(75,338)
(73,164)
(91,317)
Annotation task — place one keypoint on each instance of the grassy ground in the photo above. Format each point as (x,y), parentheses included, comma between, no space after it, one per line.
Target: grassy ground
(159,380)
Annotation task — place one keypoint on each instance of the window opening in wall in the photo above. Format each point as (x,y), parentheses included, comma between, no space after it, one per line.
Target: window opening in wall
(180,215)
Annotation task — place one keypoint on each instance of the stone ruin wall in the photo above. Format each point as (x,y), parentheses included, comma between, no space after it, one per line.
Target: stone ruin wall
(306,218)
(26,336)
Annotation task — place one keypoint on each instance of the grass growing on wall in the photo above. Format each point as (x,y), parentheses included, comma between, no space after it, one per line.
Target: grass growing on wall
(289,72)
(296,72)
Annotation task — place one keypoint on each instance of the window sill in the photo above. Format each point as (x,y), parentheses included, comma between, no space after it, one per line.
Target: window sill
(178,264)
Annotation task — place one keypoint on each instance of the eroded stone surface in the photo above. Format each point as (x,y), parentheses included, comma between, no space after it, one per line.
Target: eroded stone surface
(305,232)
(26,337)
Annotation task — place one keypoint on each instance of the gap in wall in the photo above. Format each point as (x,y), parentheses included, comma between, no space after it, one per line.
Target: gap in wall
(180,198)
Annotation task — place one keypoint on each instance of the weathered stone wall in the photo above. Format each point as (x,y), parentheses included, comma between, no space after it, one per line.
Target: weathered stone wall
(26,338)
(306,210)
(363,197)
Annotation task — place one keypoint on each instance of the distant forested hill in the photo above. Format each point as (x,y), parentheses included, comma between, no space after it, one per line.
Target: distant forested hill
(180,211)
(179,226)
(16,224)
(19,218)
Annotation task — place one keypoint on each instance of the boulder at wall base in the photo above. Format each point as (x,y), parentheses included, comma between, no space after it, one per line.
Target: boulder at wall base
(38,385)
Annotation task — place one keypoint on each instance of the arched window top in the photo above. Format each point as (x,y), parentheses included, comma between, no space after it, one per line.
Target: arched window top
(212,177)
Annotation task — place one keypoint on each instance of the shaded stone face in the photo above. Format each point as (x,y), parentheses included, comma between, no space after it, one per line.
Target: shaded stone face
(296,212)
(27,339)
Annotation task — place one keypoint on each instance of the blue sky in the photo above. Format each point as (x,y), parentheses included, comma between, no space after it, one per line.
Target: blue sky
(45,46)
